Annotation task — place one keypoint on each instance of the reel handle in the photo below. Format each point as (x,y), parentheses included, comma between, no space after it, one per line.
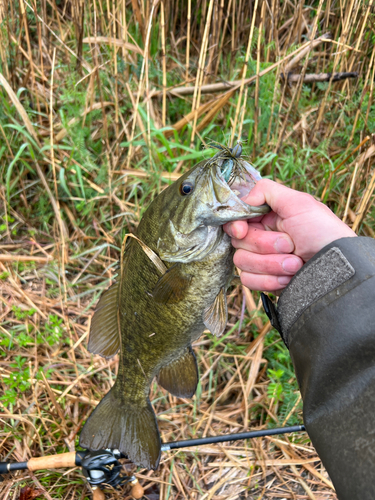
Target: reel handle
(97,494)
(137,491)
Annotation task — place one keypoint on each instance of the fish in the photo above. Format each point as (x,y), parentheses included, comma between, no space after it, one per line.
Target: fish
(171,288)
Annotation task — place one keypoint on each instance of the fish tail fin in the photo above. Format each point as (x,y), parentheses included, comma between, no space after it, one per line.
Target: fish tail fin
(129,428)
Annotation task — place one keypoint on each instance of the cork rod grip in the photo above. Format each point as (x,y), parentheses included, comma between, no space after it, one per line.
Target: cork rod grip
(52,462)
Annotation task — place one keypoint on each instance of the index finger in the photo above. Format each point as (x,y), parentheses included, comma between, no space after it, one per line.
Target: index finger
(238,228)
(260,241)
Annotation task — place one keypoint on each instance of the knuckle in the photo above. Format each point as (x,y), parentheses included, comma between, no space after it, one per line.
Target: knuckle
(309,199)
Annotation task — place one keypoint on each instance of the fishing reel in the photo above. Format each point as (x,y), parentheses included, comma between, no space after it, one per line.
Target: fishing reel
(101,468)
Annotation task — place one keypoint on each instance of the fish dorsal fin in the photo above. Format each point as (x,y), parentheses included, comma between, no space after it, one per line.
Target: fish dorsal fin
(215,316)
(172,286)
(105,332)
(180,377)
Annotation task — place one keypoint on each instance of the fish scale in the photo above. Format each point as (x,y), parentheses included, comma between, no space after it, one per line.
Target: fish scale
(154,317)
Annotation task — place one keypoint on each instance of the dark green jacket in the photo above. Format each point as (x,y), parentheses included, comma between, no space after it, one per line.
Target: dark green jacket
(326,316)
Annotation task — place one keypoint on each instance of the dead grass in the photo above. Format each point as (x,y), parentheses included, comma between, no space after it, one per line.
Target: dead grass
(48,416)
(82,152)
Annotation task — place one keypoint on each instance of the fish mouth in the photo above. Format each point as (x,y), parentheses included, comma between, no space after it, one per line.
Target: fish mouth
(242,183)
(233,179)
(234,170)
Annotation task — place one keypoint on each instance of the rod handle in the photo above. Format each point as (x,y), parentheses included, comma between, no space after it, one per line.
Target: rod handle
(52,462)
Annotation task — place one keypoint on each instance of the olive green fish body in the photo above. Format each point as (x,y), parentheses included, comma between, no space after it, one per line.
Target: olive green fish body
(154,317)
(153,332)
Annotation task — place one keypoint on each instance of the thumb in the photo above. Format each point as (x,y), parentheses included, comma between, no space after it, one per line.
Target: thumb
(284,201)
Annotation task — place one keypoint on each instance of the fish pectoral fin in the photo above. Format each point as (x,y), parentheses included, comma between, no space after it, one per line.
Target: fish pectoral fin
(215,317)
(180,377)
(172,286)
(121,425)
(104,336)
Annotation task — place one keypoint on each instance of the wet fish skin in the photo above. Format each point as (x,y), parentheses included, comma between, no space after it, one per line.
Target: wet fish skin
(155,318)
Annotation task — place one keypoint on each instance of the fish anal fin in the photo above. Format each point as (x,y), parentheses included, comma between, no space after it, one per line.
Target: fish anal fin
(215,317)
(180,377)
(104,336)
(117,425)
(172,286)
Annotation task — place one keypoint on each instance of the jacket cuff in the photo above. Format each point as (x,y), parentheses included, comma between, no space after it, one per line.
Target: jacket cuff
(339,266)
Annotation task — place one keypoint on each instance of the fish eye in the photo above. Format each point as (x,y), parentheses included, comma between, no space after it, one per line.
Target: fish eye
(186,188)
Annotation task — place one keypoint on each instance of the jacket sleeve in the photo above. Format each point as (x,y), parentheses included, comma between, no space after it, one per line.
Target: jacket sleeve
(326,316)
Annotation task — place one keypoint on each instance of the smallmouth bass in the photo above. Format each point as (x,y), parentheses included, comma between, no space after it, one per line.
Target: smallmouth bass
(153,318)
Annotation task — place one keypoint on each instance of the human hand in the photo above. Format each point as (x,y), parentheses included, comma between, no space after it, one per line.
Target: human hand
(272,248)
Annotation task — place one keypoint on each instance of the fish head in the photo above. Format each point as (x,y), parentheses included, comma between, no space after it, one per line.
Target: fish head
(201,201)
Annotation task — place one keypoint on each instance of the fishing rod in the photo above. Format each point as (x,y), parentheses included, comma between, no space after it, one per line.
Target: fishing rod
(102,468)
